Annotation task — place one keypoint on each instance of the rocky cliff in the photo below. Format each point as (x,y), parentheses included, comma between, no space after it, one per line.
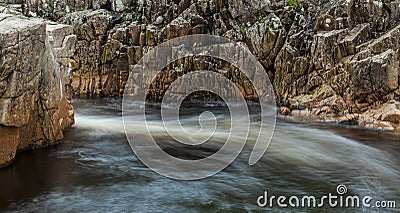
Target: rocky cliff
(329,60)
(35,91)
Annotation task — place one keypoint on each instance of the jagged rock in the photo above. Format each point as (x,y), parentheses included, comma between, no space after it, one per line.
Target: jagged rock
(56,9)
(289,67)
(375,78)
(134,31)
(14,9)
(357,36)
(376,13)
(91,29)
(390,40)
(265,42)
(332,60)
(177,28)
(389,112)
(245,11)
(324,51)
(35,96)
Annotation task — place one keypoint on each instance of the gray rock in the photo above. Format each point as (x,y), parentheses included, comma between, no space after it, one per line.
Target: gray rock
(335,60)
(35,90)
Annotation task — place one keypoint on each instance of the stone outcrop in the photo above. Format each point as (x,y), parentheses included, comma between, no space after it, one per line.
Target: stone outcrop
(35,91)
(110,44)
(56,9)
(328,60)
(353,67)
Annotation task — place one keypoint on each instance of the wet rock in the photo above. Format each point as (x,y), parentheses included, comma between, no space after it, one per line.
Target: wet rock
(349,119)
(387,115)
(35,105)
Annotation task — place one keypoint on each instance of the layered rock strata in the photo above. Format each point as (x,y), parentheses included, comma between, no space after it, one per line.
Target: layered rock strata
(35,91)
(328,60)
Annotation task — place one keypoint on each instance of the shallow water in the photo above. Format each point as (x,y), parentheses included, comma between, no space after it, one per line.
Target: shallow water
(94,169)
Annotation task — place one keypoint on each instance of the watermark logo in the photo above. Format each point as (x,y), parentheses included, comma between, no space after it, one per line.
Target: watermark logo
(340,199)
(341,189)
(144,76)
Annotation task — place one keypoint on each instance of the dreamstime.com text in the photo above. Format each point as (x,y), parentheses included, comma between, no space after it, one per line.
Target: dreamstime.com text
(337,200)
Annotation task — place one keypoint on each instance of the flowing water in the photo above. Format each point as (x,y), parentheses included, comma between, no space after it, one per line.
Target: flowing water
(94,169)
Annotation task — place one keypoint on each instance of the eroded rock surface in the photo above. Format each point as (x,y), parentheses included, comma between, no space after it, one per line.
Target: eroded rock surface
(328,60)
(35,90)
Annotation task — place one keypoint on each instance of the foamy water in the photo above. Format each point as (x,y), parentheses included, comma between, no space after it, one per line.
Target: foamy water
(95,167)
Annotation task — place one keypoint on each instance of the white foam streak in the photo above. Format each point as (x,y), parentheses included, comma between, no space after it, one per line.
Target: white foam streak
(294,145)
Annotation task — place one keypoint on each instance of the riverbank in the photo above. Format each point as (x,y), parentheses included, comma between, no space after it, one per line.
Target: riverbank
(385,117)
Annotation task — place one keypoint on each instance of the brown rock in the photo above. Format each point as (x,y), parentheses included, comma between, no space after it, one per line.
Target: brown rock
(265,42)
(39,91)
(356,36)
(8,144)
(284,111)
(375,78)
(177,28)
(329,60)
(325,53)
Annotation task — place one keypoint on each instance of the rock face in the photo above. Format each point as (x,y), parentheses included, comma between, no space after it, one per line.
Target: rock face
(35,90)
(328,60)
(353,67)
(55,9)
(110,43)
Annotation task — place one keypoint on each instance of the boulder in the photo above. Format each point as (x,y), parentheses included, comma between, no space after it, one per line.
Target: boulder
(284,111)
(35,96)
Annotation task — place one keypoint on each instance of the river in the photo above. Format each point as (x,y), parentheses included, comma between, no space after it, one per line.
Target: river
(94,169)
